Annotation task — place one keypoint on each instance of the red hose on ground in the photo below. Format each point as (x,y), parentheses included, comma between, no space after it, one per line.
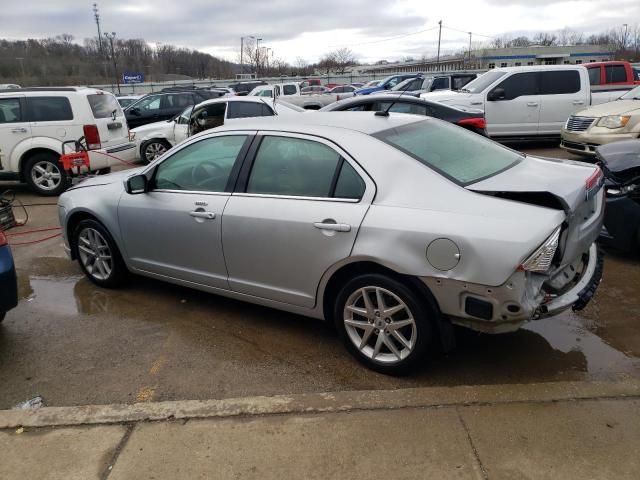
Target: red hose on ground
(29,232)
(35,241)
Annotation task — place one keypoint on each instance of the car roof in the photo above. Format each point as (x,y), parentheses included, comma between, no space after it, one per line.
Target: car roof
(232,99)
(537,68)
(314,123)
(400,98)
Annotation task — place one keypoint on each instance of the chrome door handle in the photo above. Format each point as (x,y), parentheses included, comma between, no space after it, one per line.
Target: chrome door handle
(335,227)
(532,104)
(19,130)
(201,214)
(578,102)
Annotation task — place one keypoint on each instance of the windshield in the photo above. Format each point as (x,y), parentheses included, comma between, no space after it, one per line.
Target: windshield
(461,156)
(482,82)
(633,94)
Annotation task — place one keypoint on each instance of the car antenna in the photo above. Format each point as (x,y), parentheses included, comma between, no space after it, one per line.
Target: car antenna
(385,113)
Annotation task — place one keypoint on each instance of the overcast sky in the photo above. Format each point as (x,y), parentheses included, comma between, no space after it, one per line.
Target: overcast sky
(308,28)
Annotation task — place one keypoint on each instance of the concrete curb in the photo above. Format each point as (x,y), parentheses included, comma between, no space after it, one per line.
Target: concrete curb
(320,403)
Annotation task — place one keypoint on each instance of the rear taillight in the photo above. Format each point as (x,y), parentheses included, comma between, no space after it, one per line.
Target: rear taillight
(3,239)
(473,122)
(594,180)
(92,137)
(540,260)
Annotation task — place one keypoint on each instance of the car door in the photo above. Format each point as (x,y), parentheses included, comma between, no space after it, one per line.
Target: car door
(561,95)
(146,110)
(14,128)
(181,126)
(174,103)
(512,107)
(296,212)
(174,229)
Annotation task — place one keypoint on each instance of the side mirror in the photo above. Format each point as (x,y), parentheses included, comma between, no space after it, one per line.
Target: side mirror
(496,94)
(135,111)
(136,184)
(386,87)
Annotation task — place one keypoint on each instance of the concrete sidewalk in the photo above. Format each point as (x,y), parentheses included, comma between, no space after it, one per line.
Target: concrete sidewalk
(562,430)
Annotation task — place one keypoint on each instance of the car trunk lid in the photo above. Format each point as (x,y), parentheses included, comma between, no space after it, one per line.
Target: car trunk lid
(574,187)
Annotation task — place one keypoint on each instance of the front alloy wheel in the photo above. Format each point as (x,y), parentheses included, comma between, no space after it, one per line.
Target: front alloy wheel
(383,323)
(153,149)
(98,254)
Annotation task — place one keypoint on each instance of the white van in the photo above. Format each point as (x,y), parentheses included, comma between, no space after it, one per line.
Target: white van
(35,121)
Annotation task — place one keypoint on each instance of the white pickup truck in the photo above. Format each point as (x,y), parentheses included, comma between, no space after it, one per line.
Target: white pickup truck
(290,92)
(527,101)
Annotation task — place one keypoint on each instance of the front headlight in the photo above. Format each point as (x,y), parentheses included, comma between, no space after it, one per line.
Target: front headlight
(132,136)
(614,121)
(540,260)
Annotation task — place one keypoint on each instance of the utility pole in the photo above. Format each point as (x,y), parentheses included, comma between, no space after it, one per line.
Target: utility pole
(21,60)
(469,49)
(241,53)
(258,40)
(110,37)
(96,14)
(439,37)
(624,41)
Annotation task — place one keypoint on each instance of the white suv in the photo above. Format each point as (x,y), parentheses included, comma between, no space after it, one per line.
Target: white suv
(35,121)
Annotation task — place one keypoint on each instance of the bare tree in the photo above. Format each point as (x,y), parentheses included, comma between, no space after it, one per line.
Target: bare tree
(545,39)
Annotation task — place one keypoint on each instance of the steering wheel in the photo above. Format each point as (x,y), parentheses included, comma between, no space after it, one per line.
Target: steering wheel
(203,172)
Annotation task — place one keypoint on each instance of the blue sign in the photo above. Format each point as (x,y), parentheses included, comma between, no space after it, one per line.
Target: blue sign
(132,77)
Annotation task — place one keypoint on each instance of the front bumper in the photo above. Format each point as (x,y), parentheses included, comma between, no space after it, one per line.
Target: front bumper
(519,299)
(8,281)
(585,143)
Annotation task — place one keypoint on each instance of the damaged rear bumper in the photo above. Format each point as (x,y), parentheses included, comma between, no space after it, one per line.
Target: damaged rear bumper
(521,298)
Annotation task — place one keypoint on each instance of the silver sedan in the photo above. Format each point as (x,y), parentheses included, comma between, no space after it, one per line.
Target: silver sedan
(392,226)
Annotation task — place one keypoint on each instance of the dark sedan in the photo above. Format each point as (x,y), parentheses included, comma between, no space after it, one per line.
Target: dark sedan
(8,282)
(471,119)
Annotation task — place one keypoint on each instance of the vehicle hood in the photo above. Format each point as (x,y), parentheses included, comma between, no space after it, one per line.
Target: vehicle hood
(618,107)
(546,182)
(620,158)
(155,126)
(368,90)
(107,179)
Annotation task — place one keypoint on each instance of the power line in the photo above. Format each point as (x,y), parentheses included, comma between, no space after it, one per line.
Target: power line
(467,32)
(384,39)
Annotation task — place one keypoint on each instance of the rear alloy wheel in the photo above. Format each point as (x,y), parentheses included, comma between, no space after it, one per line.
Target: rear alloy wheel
(383,323)
(45,175)
(98,254)
(152,149)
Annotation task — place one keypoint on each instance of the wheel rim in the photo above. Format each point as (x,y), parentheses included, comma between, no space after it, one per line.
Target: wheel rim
(95,254)
(380,325)
(46,175)
(154,150)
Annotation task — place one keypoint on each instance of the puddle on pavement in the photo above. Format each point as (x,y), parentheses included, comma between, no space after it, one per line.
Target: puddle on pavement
(558,348)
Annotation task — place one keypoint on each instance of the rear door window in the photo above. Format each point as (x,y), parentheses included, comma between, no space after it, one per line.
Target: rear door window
(559,82)
(10,110)
(178,100)
(293,167)
(103,105)
(594,75)
(49,109)
(148,104)
(519,85)
(402,107)
(441,83)
(248,109)
(615,73)
(290,89)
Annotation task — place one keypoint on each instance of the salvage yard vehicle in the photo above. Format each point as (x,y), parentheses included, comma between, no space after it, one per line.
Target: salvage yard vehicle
(154,139)
(293,94)
(8,281)
(126,100)
(416,86)
(620,163)
(386,83)
(35,121)
(471,119)
(527,102)
(393,227)
(609,122)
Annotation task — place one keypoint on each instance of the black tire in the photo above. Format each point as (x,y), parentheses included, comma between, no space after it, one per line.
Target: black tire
(392,290)
(117,273)
(36,169)
(154,144)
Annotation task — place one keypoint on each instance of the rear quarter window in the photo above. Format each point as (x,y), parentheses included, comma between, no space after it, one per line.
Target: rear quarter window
(103,105)
(49,109)
(559,82)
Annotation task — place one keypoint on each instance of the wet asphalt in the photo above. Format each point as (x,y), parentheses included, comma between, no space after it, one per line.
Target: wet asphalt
(74,344)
